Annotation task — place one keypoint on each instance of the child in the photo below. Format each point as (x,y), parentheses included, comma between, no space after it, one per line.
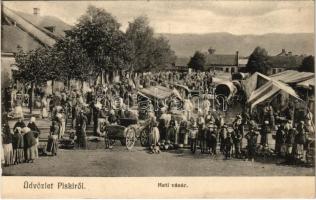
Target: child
(251,137)
(228,141)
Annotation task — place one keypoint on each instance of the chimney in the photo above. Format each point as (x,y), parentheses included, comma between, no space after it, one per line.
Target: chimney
(36,11)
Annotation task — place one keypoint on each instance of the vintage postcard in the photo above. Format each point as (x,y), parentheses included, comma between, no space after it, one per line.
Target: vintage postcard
(157,99)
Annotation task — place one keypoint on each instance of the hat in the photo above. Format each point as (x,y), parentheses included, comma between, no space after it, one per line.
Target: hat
(59,116)
(266,122)
(32,119)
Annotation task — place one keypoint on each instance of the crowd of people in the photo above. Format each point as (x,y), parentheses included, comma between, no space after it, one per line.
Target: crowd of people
(197,127)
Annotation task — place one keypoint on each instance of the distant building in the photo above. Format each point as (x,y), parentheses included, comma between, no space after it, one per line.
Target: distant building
(222,62)
(284,61)
(28,32)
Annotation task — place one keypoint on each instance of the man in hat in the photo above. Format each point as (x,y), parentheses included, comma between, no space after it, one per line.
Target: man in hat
(264,134)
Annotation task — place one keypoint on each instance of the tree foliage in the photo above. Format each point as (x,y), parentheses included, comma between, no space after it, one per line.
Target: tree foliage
(33,66)
(197,62)
(148,52)
(307,64)
(258,61)
(98,34)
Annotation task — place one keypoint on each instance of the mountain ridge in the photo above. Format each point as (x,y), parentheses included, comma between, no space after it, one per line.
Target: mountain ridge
(227,43)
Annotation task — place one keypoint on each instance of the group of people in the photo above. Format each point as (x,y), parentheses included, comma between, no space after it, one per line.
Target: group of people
(20,144)
(203,128)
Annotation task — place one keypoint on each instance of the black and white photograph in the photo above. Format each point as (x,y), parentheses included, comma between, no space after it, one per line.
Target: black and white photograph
(157,89)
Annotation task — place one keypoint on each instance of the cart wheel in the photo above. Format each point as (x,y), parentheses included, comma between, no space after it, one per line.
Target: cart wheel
(130,137)
(144,138)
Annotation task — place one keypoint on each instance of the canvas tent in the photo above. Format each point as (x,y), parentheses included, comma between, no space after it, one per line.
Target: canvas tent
(260,88)
(292,76)
(308,84)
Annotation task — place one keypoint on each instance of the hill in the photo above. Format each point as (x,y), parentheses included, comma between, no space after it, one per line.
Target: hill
(225,43)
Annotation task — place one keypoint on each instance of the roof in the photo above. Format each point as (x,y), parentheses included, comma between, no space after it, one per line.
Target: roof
(309,84)
(292,76)
(46,21)
(268,90)
(254,82)
(159,92)
(21,29)
(13,37)
(182,61)
(221,60)
(285,61)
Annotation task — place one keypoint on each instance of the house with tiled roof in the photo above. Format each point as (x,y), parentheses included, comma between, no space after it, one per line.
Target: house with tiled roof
(28,32)
(284,61)
(222,62)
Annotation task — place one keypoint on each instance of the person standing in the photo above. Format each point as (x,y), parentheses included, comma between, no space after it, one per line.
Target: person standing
(280,141)
(29,144)
(228,141)
(7,144)
(211,138)
(18,145)
(81,125)
(300,141)
(44,107)
(193,137)
(290,142)
(222,136)
(20,123)
(264,134)
(52,144)
(252,138)
(237,138)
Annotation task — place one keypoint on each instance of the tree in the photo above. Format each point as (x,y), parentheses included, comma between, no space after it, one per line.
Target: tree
(148,52)
(99,35)
(211,50)
(74,61)
(258,62)
(307,64)
(33,68)
(197,62)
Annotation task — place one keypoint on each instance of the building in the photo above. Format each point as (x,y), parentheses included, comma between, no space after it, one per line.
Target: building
(28,32)
(222,62)
(284,61)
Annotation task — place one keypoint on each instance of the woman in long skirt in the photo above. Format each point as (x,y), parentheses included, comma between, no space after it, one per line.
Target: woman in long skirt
(29,144)
(18,152)
(7,145)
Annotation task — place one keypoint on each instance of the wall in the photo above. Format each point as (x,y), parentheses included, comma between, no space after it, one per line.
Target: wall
(6,72)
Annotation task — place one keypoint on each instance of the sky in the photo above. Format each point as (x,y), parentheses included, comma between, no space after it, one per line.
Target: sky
(236,17)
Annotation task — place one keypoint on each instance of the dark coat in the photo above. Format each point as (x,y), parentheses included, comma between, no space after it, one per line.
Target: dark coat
(17,141)
(33,127)
(29,139)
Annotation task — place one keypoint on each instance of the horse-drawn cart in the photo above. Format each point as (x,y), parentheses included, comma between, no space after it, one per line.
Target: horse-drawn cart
(127,131)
